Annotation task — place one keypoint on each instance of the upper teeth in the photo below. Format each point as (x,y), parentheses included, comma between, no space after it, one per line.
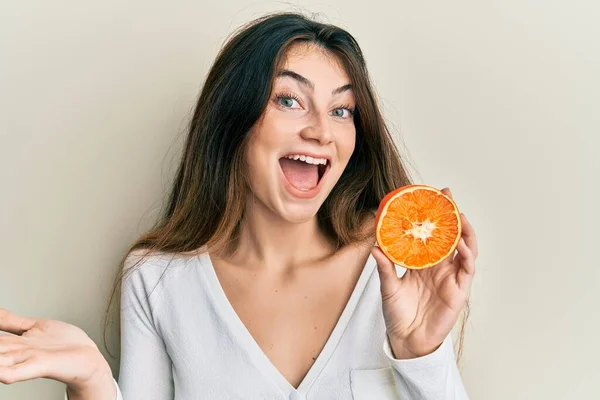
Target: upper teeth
(307,159)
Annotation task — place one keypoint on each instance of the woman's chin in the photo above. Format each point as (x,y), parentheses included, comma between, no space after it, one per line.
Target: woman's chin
(299,214)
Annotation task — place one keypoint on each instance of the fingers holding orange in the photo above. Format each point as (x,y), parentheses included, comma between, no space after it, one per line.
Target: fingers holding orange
(447,192)
(387,272)
(469,235)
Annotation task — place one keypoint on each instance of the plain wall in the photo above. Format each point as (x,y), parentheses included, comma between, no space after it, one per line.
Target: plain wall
(495,99)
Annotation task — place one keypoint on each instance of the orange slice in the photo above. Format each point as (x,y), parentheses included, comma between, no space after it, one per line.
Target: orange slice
(417,226)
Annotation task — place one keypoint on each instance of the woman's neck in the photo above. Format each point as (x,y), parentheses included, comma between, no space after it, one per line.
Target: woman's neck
(268,241)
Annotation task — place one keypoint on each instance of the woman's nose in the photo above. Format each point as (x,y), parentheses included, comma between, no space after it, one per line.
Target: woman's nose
(318,129)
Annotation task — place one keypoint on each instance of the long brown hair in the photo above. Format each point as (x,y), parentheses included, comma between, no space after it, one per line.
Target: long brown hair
(207,199)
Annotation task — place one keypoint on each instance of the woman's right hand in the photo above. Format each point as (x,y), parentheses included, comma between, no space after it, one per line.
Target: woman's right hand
(42,348)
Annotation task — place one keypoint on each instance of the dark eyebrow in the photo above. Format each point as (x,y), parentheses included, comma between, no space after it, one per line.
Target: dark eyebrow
(302,80)
(342,89)
(297,77)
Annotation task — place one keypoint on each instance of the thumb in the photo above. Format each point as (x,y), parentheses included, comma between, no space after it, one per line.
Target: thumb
(14,323)
(387,271)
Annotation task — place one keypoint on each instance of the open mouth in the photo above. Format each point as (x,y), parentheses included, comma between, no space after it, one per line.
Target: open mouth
(304,172)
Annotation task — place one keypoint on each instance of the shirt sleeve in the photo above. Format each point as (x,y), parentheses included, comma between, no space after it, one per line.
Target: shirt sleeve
(434,376)
(145,367)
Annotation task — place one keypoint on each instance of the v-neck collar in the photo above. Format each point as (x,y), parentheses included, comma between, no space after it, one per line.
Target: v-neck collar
(256,354)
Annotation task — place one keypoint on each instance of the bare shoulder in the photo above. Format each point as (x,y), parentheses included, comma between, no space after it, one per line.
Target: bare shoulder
(357,253)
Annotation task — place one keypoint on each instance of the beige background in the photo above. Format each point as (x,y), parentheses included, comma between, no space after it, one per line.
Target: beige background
(496,99)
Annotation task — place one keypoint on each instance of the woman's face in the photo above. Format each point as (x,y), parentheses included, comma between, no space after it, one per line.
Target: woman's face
(304,140)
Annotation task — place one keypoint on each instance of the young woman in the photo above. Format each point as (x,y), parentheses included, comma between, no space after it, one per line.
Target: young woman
(262,279)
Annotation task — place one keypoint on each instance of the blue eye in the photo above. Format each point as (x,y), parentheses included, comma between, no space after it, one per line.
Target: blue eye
(343,112)
(287,101)
(339,112)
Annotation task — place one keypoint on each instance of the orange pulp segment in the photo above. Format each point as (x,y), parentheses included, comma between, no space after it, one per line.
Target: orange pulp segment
(417,226)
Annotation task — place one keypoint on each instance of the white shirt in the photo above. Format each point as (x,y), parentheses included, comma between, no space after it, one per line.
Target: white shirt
(181,339)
